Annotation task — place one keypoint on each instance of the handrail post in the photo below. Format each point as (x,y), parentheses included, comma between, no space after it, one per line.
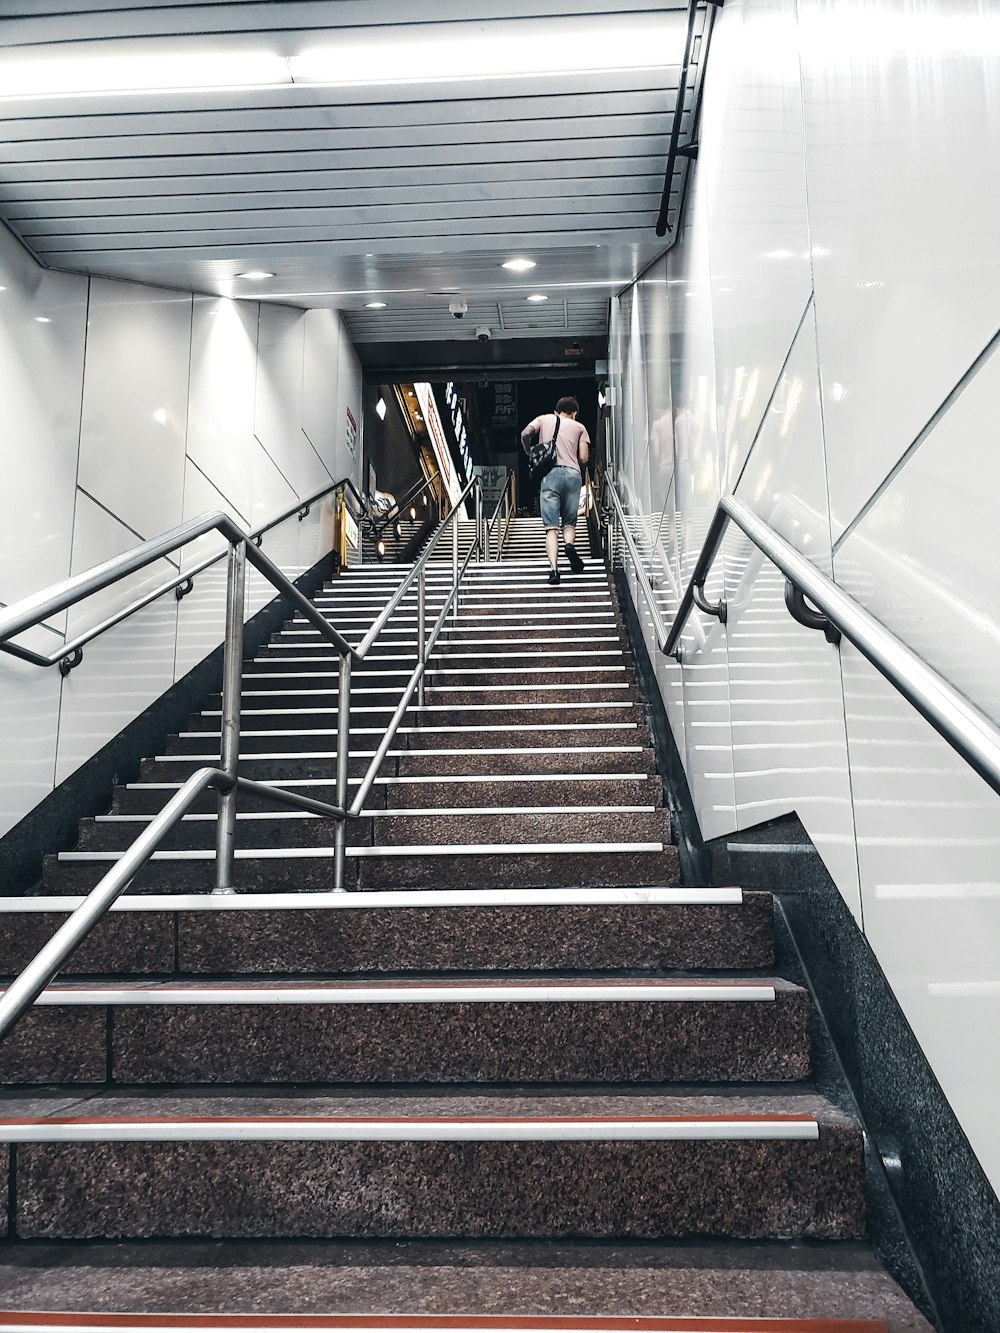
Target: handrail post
(421,620)
(454,562)
(343,743)
(232,682)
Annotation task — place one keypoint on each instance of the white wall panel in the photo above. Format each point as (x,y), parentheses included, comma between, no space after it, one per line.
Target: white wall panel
(125,669)
(43,320)
(271,495)
(929,848)
(323,334)
(29,720)
(278,403)
(221,415)
(786,694)
(201,614)
(923,560)
(753,160)
(135,403)
(348,400)
(902,133)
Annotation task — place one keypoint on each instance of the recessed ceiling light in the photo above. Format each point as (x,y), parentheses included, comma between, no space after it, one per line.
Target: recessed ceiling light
(518,265)
(42,319)
(374,305)
(538,296)
(255,275)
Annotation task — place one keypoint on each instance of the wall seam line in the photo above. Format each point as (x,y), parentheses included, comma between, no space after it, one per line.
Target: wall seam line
(936,417)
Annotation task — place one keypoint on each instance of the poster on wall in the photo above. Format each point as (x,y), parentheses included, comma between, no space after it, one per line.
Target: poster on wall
(438,441)
(352,435)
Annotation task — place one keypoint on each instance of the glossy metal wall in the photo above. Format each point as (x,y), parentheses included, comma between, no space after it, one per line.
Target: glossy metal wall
(823,342)
(124,410)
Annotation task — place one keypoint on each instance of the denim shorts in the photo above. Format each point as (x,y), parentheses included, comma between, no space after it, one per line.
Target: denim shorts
(560,498)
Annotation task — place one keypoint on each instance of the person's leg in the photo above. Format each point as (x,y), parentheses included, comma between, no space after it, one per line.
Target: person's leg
(571,507)
(549,503)
(552,546)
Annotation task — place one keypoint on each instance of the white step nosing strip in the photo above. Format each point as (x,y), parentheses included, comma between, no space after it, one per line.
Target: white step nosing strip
(359,687)
(674,896)
(194,993)
(416,731)
(422,849)
(408,813)
(292,783)
(283,755)
(521,1129)
(428,708)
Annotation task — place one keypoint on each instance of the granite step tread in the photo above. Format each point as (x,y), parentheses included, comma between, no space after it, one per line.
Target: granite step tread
(576,1286)
(496,789)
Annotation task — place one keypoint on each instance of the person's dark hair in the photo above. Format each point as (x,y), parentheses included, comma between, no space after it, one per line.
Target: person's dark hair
(567,405)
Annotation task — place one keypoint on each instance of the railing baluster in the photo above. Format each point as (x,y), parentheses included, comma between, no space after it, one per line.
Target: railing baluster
(343,744)
(232,681)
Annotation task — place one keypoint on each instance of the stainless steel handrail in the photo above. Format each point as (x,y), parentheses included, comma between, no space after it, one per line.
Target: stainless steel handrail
(225,780)
(508,503)
(966,728)
(379,526)
(70,654)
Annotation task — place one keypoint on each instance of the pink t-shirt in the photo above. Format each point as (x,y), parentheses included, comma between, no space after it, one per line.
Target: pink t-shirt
(572,434)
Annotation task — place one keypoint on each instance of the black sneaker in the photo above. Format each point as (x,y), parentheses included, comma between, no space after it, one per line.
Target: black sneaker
(573,556)
(553,576)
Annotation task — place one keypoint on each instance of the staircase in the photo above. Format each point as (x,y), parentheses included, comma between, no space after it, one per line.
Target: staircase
(572,1086)
(394,546)
(526,541)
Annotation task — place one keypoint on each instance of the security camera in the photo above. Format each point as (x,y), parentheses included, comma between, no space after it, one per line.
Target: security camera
(458,309)
(483,334)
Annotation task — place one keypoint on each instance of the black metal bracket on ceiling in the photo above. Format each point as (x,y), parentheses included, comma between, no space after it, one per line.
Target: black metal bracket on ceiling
(687,152)
(800,610)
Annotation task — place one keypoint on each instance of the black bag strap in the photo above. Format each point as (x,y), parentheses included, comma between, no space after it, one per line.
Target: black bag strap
(555,433)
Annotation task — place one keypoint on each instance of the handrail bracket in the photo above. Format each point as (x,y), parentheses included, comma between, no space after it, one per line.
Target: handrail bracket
(800,610)
(718,609)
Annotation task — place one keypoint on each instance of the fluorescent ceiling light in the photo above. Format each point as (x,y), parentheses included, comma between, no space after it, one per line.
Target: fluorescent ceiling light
(538,296)
(519,265)
(255,275)
(380,408)
(500,50)
(374,305)
(168,71)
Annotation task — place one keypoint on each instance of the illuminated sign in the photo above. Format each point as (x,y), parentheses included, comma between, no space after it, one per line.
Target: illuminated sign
(439,442)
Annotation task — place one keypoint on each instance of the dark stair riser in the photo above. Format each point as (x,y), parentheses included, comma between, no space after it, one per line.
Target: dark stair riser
(404,1190)
(416,1043)
(525,870)
(436,795)
(365,736)
(389,830)
(516,711)
(441,691)
(381,940)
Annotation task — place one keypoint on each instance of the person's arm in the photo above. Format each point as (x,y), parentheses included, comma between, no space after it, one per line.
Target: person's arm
(584,449)
(530,433)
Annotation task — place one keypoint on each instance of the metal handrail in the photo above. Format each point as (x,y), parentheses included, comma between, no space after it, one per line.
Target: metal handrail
(507,502)
(966,728)
(70,654)
(412,494)
(225,779)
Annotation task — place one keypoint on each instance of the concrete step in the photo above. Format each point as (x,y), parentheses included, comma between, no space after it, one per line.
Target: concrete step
(451,713)
(577,1287)
(473,930)
(366,732)
(440,689)
(447,1165)
(428,1030)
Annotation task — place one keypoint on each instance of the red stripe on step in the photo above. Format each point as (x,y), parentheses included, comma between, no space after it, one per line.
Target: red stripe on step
(412,1120)
(585,1323)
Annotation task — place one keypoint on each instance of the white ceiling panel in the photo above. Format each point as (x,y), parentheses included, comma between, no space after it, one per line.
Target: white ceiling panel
(408,189)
